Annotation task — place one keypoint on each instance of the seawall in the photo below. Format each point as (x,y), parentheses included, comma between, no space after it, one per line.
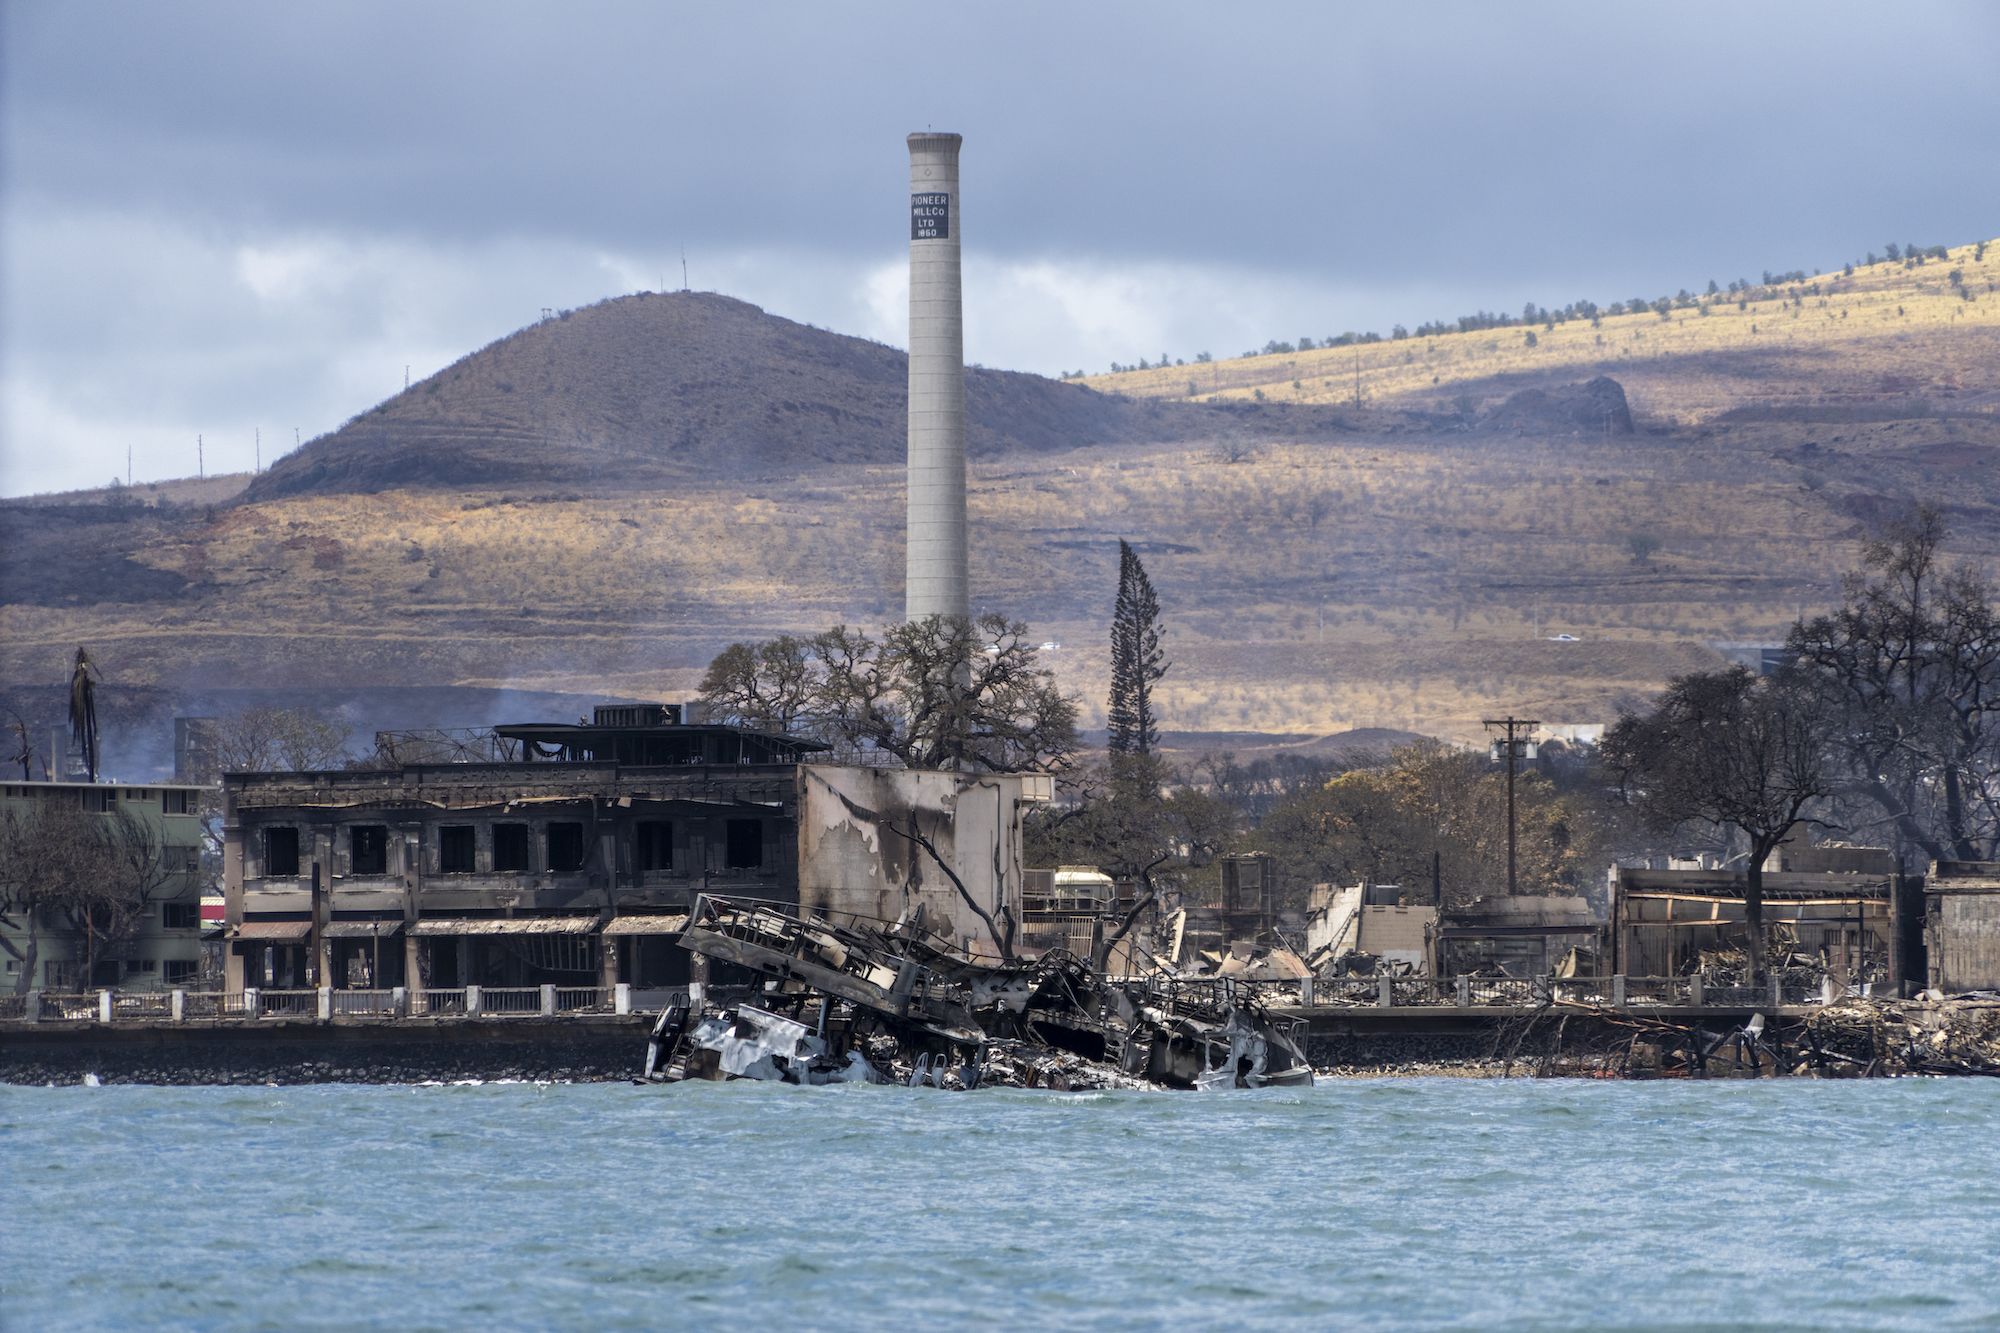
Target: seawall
(598,1048)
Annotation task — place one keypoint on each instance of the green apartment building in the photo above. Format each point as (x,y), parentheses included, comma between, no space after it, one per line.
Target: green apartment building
(164,947)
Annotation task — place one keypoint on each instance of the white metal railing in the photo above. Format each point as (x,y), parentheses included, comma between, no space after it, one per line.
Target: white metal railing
(69,1004)
(584,999)
(362,1001)
(440,1002)
(287,1004)
(505,1000)
(149,1004)
(1614,992)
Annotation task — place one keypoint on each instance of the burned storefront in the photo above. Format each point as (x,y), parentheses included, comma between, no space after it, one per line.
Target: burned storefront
(570,854)
(1844,922)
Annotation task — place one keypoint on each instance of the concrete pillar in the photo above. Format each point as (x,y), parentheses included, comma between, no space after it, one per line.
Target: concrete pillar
(548,1001)
(473,1004)
(1618,991)
(1777,991)
(1306,991)
(399,1001)
(1385,993)
(325,999)
(1463,988)
(104,1006)
(33,1012)
(607,958)
(935,551)
(1694,990)
(250,1002)
(621,998)
(180,999)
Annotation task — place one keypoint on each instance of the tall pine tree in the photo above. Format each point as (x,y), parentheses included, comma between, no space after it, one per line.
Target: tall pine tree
(1137,661)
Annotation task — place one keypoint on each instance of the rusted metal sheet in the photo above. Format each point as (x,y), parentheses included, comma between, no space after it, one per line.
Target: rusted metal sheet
(275,931)
(361,930)
(520,925)
(646,925)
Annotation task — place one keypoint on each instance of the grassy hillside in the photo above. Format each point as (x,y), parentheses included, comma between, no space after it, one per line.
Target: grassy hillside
(1403,565)
(1885,335)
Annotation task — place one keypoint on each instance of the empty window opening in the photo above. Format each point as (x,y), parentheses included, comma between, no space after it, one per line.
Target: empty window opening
(744,849)
(455,844)
(510,847)
(656,845)
(565,846)
(368,846)
(281,853)
(180,916)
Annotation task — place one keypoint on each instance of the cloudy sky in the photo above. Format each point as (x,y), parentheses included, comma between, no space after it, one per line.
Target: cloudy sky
(226,218)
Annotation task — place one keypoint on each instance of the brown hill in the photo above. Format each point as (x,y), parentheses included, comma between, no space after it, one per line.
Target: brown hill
(640,390)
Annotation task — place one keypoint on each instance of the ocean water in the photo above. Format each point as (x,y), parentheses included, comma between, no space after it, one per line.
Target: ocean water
(1388,1204)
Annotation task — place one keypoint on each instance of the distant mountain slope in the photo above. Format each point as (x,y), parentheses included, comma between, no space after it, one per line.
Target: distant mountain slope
(1911,339)
(642,389)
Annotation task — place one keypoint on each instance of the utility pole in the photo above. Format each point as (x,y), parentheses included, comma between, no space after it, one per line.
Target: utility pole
(1515,746)
(257,458)
(128,465)
(200,460)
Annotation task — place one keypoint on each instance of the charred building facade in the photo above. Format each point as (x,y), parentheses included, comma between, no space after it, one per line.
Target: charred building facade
(576,862)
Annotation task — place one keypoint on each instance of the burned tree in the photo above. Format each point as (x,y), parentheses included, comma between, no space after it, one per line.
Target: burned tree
(1732,751)
(273,740)
(24,748)
(945,692)
(83,711)
(770,685)
(1137,659)
(93,875)
(1910,665)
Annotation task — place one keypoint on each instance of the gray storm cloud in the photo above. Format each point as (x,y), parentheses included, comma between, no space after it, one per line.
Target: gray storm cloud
(219,217)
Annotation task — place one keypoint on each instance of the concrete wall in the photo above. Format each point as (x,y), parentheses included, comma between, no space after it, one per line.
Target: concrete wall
(1964,942)
(1400,934)
(853,859)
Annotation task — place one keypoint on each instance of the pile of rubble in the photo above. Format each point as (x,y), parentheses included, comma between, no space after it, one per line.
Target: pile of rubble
(1927,1035)
(1784,959)
(877,1003)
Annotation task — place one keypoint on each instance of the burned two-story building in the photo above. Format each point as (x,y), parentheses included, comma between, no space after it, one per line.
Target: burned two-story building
(574,857)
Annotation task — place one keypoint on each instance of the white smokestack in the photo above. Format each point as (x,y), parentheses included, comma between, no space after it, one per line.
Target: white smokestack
(935,539)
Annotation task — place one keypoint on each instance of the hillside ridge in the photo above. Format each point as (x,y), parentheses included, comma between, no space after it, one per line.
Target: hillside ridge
(648,389)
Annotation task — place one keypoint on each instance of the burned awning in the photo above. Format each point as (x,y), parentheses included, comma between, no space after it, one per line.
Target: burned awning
(515,925)
(362,930)
(647,925)
(288,932)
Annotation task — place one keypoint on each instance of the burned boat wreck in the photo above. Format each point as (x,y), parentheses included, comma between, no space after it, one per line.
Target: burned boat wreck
(854,1000)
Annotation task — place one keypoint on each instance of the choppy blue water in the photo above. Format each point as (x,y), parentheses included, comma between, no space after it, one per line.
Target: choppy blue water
(1392,1204)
